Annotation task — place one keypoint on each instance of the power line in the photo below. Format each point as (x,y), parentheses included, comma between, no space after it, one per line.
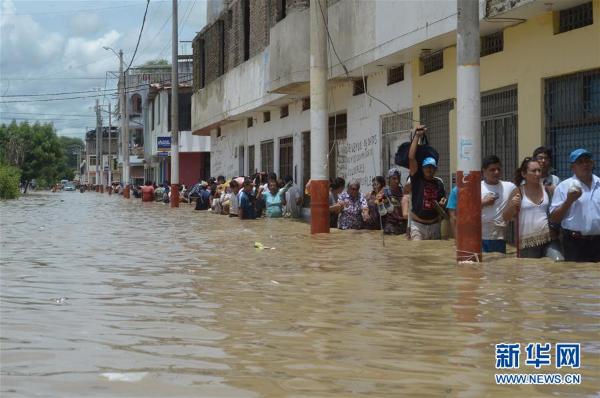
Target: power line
(72,11)
(140,35)
(41,114)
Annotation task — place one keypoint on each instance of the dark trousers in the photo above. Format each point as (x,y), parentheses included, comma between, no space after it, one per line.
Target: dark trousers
(581,248)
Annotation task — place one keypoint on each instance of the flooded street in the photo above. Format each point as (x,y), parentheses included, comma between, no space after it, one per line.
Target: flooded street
(105,297)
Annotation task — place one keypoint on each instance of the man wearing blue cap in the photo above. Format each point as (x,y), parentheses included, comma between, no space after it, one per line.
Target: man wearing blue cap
(576,206)
(427,192)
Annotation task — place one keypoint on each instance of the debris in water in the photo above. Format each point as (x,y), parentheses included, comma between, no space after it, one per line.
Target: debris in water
(42,228)
(127,377)
(260,246)
(59,300)
(274,282)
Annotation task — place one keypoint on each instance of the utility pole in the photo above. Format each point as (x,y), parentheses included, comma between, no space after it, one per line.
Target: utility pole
(98,154)
(468,96)
(124,129)
(174,112)
(109,150)
(319,140)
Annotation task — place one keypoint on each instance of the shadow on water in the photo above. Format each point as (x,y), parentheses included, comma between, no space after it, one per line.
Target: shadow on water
(107,297)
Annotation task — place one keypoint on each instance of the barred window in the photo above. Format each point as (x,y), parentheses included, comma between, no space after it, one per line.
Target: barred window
(360,86)
(305,103)
(575,17)
(266,117)
(432,62)
(266,156)
(249,122)
(286,156)
(492,43)
(395,75)
(251,164)
(284,111)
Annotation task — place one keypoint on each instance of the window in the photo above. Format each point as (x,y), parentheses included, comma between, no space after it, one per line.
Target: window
(305,104)
(281,9)
(395,75)
(306,163)
(266,117)
(221,31)
(491,44)
(202,63)
(249,122)
(432,62)
(360,86)
(136,103)
(338,134)
(92,160)
(284,111)
(152,116)
(241,160)
(575,17)
(158,109)
(572,116)
(395,129)
(218,132)
(266,156)
(251,165)
(246,28)
(286,156)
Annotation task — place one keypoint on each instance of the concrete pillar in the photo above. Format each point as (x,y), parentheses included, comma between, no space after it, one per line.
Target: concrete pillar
(319,140)
(468,96)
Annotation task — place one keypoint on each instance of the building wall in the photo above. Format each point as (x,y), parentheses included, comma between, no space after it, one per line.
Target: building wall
(191,167)
(532,53)
(363,147)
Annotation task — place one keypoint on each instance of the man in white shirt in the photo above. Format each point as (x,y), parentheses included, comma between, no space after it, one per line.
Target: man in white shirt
(293,198)
(494,198)
(576,206)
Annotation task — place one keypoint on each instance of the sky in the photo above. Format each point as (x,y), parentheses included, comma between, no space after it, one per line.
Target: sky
(52,47)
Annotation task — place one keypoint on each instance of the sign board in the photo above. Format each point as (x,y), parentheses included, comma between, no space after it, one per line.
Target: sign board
(164,154)
(163,143)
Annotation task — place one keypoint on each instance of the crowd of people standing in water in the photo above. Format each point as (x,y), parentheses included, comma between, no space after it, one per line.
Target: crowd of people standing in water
(553,218)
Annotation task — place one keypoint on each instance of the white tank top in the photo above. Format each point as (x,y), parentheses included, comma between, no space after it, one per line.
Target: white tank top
(533,221)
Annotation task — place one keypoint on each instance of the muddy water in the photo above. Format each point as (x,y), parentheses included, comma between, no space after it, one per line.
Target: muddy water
(107,297)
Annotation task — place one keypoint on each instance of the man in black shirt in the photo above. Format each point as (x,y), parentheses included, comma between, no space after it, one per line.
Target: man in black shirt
(427,193)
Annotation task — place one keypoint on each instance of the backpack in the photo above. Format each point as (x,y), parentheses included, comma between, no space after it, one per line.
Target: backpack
(424,150)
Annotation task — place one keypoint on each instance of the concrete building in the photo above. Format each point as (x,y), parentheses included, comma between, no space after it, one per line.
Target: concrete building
(393,64)
(88,164)
(194,151)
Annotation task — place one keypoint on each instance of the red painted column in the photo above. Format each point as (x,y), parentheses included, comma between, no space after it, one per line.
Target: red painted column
(468,216)
(319,206)
(126,191)
(174,195)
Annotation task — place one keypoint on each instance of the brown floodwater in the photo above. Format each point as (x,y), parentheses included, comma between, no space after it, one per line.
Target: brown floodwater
(104,297)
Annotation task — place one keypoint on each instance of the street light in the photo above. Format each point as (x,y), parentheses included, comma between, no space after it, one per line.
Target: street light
(124,123)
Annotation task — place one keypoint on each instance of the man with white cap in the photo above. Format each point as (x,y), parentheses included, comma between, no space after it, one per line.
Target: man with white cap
(428,194)
(576,206)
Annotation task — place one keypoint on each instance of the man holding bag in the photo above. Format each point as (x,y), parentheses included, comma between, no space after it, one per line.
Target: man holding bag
(427,191)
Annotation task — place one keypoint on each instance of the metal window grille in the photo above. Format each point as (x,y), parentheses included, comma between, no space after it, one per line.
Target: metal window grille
(492,43)
(432,62)
(306,103)
(395,129)
(251,164)
(395,75)
(572,113)
(266,156)
(306,163)
(499,122)
(241,160)
(436,118)
(249,122)
(266,117)
(338,134)
(286,156)
(360,86)
(284,111)
(575,17)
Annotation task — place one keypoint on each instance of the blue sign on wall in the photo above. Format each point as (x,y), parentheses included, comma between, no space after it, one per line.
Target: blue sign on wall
(164,143)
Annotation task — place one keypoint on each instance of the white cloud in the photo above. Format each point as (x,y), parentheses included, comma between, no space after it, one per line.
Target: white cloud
(84,24)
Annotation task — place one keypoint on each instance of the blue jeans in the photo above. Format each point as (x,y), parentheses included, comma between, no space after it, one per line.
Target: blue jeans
(491,246)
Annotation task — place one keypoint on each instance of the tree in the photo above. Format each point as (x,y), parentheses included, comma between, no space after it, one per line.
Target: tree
(71,147)
(155,62)
(35,150)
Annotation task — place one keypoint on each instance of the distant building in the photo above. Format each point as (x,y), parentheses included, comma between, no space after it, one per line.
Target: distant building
(88,165)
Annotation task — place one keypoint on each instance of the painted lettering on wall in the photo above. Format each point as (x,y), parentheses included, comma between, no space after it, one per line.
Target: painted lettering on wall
(361,160)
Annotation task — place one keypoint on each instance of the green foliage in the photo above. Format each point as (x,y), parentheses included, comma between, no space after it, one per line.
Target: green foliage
(34,149)
(155,62)
(71,147)
(9,182)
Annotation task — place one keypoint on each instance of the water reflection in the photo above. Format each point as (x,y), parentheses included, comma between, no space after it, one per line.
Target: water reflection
(162,302)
